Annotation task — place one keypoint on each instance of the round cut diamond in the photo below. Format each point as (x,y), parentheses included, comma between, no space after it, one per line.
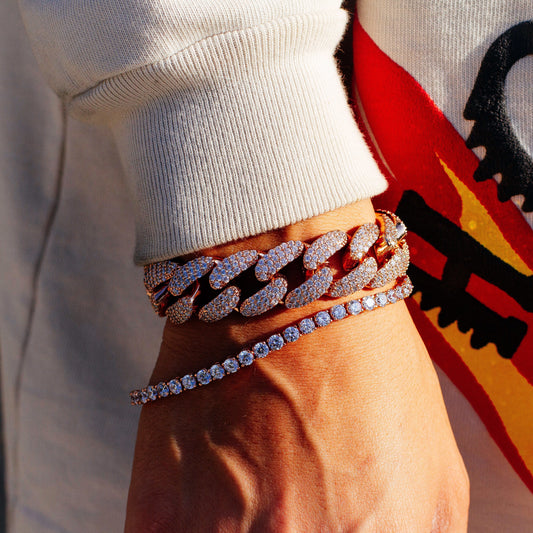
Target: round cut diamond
(338,312)
(291,334)
(246,358)
(275,342)
(261,349)
(175,386)
(406,289)
(231,365)
(354,307)
(381,299)
(143,396)
(217,371)
(151,392)
(203,376)
(391,296)
(307,326)
(162,390)
(369,303)
(322,319)
(188,381)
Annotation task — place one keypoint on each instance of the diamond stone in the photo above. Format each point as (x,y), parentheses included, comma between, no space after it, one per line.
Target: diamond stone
(381,299)
(362,240)
(306,326)
(323,248)
(391,296)
(180,311)
(338,312)
(135,397)
(312,289)
(217,371)
(188,381)
(231,365)
(354,307)
(276,258)
(395,267)
(275,342)
(157,273)
(175,386)
(265,299)
(261,349)
(220,306)
(231,267)
(322,319)
(162,389)
(151,392)
(246,358)
(143,396)
(187,274)
(291,334)
(356,280)
(369,303)
(203,376)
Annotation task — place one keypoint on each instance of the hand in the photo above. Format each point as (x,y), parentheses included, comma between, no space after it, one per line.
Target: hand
(345,430)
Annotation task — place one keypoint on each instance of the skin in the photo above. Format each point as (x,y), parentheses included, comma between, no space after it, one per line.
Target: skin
(343,431)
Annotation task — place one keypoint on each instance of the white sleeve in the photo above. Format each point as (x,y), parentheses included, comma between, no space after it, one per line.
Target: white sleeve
(229,115)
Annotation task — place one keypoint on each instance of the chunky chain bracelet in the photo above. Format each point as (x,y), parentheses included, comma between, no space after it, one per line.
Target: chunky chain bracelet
(374,255)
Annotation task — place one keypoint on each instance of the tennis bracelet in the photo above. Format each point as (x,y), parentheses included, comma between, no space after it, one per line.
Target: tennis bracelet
(291,334)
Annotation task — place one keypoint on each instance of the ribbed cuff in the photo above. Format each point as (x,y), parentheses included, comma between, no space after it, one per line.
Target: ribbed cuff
(238,134)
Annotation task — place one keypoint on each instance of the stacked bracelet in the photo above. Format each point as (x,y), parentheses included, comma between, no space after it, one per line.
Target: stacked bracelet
(232,364)
(375,254)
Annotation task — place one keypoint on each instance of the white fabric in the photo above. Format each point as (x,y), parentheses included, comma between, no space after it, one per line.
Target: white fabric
(66,238)
(230,117)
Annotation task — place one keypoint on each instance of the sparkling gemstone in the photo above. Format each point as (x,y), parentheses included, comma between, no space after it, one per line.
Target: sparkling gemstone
(291,334)
(203,376)
(354,307)
(369,303)
(323,248)
(220,306)
(144,396)
(275,342)
(391,296)
(322,319)
(162,389)
(217,371)
(261,349)
(180,311)
(152,392)
(306,326)
(362,240)
(231,267)
(312,289)
(175,386)
(135,397)
(187,274)
(265,299)
(246,358)
(399,293)
(356,280)
(276,258)
(381,299)
(157,273)
(188,381)
(338,312)
(406,290)
(231,365)
(395,267)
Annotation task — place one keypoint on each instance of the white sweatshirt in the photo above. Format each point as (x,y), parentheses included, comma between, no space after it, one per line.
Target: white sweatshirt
(230,117)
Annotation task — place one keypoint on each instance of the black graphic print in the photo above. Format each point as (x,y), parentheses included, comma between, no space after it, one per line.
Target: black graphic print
(464,257)
(492,127)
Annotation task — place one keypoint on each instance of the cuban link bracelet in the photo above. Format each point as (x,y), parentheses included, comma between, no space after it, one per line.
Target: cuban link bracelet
(232,364)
